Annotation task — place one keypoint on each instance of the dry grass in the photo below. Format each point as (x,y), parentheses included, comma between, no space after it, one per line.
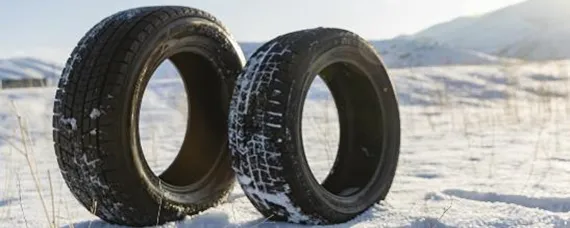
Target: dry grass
(546,104)
(27,153)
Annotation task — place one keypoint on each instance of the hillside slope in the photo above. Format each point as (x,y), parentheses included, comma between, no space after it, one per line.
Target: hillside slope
(403,52)
(408,52)
(19,68)
(532,30)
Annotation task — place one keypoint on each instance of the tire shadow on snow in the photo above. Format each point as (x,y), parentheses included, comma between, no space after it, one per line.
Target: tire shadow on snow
(220,219)
(206,220)
(428,222)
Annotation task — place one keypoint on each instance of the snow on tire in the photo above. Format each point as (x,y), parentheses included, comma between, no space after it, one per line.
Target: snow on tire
(96,115)
(265,127)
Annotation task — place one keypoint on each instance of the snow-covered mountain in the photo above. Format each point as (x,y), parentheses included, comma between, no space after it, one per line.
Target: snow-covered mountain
(28,67)
(532,30)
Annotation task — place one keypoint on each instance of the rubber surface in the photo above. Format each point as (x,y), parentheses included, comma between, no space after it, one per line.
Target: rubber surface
(96,115)
(265,127)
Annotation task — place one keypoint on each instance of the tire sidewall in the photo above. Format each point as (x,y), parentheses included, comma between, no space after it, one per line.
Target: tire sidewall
(358,54)
(154,50)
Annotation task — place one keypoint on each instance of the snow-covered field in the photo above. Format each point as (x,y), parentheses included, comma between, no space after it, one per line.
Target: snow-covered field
(482,146)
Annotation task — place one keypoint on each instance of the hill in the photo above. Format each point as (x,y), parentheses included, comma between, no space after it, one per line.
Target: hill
(404,52)
(531,30)
(28,67)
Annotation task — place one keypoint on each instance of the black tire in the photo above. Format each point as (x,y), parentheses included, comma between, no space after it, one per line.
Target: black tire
(100,155)
(265,127)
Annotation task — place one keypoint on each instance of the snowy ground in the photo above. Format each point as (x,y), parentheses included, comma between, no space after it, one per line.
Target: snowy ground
(482,146)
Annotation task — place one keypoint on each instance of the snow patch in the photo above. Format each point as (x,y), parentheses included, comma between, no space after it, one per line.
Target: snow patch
(244,179)
(275,114)
(127,14)
(95,113)
(273,125)
(281,199)
(70,121)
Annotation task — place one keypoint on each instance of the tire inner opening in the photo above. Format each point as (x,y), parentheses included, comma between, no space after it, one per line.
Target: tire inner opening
(184,120)
(320,129)
(359,130)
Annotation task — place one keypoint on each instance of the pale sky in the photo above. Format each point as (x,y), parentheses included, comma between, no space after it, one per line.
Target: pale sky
(51,28)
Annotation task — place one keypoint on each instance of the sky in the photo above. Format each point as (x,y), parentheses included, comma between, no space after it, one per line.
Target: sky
(50,29)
